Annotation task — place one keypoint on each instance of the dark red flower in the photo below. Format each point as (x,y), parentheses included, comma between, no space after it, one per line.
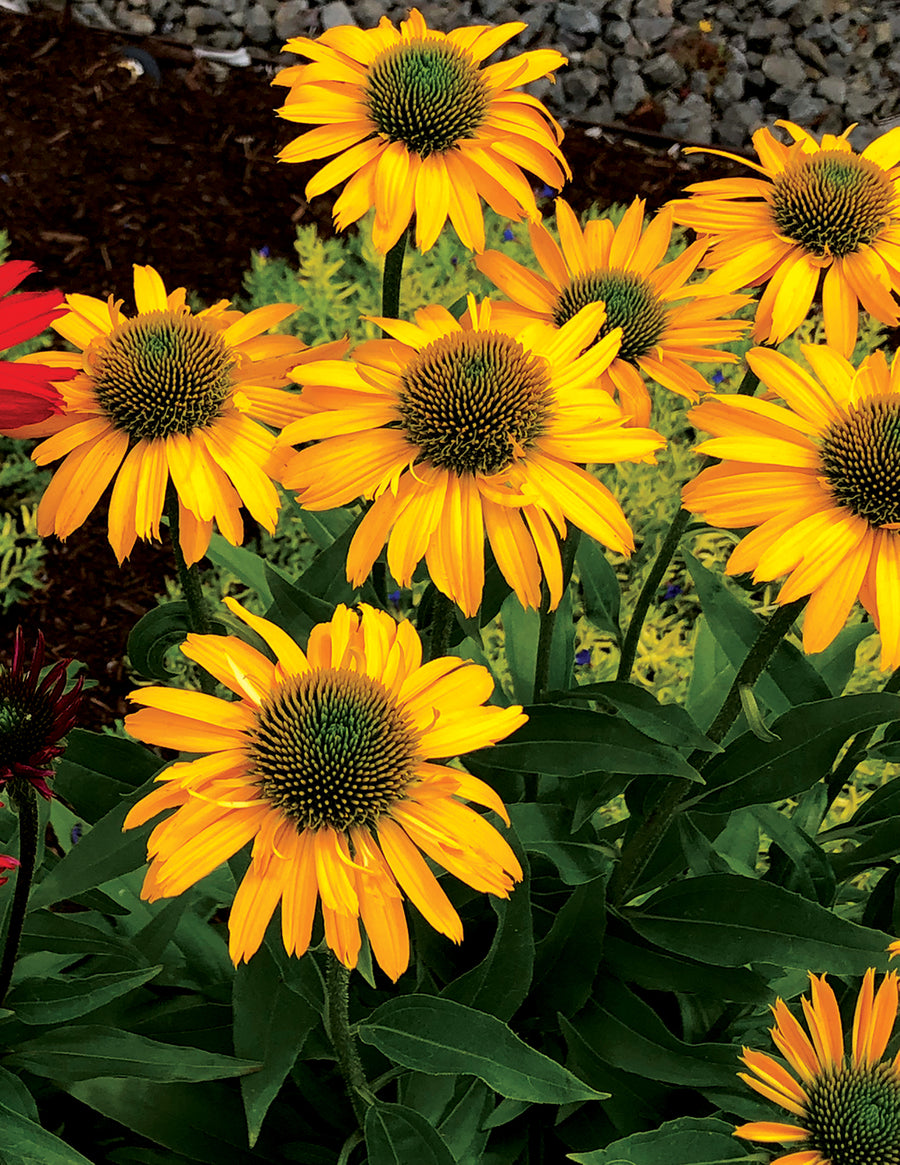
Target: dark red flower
(35,714)
(26,393)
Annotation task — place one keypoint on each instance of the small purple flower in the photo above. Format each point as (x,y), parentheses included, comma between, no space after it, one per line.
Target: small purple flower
(76,832)
(394,597)
(547,192)
(454,260)
(673,590)
(264,252)
(508,236)
(718,376)
(583,657)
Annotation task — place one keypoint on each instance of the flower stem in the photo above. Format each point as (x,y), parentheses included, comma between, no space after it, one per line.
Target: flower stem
(25,799)
(441,625)
(393,273)
(643,842)
(337,989)
(548,617)
(188,576)
(748,387)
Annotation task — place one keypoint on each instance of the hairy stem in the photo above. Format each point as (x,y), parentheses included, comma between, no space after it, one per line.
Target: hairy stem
(25,800)
(442,619)
(337,988)
(391,279)
(643,842)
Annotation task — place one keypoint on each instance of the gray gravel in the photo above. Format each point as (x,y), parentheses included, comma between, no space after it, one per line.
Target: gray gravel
(697,70)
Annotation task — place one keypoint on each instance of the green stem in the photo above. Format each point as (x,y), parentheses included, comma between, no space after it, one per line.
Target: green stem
(748,387)
(188,576)
(648,590)
(337,989)
(643,842)
(856,751)
(25,800)
(548,617)
(393,274)
(442,619)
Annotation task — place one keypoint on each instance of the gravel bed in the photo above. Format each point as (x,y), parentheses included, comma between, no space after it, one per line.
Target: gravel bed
(692,71)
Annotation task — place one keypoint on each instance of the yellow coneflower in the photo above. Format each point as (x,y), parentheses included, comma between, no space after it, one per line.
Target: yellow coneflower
(323,763)
(421,126)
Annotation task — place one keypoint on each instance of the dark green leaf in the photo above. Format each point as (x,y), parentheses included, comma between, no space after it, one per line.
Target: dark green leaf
(789,678)
(26,1143)
(15,1095)
(271,1024)
(567,958)
(656,970)
(667,723)
(600,590)
(753,772)
(521,631)
(242,563)
(440,1037)
(809,871)
(81,1052)
(730,921)
(56,1000)
(686,1141)
(396,1135)
(154,635)
(571,741)
(97,770)
(501,981)
(546,830)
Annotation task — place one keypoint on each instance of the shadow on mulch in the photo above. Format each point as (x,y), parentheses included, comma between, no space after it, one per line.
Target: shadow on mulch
(100,169)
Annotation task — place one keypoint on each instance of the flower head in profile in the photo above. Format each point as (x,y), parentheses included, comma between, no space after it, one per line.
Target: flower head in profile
(27,394)
(817,215)
(421,126)
(846,1108)
(819,480)
(167,396)
(667,323)
(323,762)
(36,712)
(7,863)
(461,430)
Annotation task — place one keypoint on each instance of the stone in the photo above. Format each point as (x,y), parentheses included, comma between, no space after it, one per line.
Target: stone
(729,89)
(627,94)
(833,89)
(664,71)
(652,28)
(785,70)
(805,109)
(577,18)
(580,85)
(336,13)
(258,26)
(92,15)
(291,19)
(616,33)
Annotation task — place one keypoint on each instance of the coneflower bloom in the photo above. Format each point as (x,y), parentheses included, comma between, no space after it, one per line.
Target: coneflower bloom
(846,1108)
(819,480)
(421,126)
(323,762)
(27,394)
(817,216)
(35,714)
(668,324)
(164,396)
(461,430)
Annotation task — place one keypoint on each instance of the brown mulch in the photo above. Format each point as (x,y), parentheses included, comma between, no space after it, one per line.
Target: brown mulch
(100,169)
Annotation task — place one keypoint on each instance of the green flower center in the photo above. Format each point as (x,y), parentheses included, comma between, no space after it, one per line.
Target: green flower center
(631,304)
(832,203)
(853,1116)
(332,747)
(427,94)
(26,718)
(861,459)
(474,401)
(161,373)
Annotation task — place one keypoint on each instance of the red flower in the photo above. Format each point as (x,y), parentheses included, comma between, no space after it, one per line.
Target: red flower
(26,393)
(35,714)
(7,863)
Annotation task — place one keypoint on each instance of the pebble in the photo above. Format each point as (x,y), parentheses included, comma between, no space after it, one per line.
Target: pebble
(707,71)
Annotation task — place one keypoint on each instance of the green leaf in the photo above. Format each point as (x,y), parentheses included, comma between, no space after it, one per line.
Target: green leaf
(97,770)
(396,1135)
(271,1025)
(809,872)
(521,630)
(789,677)
(546,830)
(15,1095)
(294,608)
(154,635)
(753,771)
(729,921)
(567,958)
(571,741)
(600,590)
(628,1034)
(202,1121)
(26,1143)
(244,564)
(686,1141)
(65,997)
(666,723)
(104,852)
(501,981)
(440,1037)
(656,970)
(81,1052)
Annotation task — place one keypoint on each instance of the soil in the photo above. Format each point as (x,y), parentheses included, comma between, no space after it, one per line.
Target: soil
(100,169)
